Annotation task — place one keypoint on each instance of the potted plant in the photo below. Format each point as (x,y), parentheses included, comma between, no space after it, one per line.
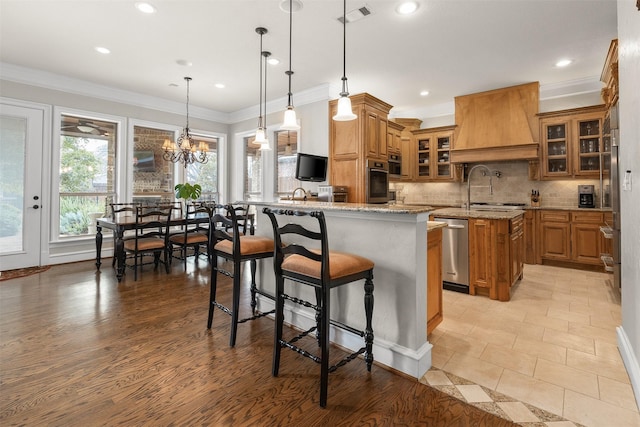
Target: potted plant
(187,191)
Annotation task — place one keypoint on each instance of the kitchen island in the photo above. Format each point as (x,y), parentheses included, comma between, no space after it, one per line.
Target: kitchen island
(394,237)
(496,249)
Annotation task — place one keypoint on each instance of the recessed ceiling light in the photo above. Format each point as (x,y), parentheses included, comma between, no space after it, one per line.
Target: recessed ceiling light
(424,93)
(102,50)
(273,61)
(296,5)
(145,7)
(407,7)
(220,85)
(563,63)
(184,62)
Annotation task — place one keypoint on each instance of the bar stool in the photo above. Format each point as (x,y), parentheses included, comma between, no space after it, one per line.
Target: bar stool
(230,241)
(323,270)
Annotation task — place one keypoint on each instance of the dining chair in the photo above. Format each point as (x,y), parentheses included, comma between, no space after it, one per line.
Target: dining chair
(121,211)
(196,233)
(310,262)
(151,236)
(231,243)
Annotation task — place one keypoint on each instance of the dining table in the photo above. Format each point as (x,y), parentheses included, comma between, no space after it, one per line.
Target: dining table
(121,224)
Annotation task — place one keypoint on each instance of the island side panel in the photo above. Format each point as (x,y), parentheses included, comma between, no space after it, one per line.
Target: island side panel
(397,244)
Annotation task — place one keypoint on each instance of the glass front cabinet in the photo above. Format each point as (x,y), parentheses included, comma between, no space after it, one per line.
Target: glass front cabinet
(572,143)
(433,149)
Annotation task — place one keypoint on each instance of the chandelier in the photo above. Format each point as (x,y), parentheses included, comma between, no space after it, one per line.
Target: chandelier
(185,149)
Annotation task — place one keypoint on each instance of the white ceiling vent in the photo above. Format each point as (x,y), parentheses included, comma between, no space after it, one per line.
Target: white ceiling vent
(357,14)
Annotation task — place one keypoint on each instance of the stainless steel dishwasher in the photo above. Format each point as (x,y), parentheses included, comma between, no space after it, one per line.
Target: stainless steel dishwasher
(455,254)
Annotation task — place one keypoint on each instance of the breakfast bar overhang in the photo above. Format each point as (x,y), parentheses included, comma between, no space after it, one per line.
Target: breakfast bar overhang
(394,237)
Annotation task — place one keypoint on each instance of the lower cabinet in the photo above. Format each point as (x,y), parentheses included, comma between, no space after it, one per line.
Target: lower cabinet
(496,256)
(434,279)
(571,237)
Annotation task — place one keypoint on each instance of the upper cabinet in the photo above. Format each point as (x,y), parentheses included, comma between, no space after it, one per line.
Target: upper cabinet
(394,137)
(407,147)
(572,143)
(609,76)
(497,125)
(433,154)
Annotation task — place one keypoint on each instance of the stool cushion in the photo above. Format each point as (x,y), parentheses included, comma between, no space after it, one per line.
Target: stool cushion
(340,264)
(144,244)
(249,245)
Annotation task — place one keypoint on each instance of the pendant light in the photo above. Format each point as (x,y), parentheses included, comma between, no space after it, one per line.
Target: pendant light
(345,113)
(260,132)
(290,120)
(185,149)
(264,145)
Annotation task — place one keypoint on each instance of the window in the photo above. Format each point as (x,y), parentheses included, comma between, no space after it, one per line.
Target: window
(153,177)
(253,169)
(87,173)
(206,174)
(287,148)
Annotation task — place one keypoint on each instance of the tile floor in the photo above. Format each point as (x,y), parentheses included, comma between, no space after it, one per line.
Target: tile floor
(548,357)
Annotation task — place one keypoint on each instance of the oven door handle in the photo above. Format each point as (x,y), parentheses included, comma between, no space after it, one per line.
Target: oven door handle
(378,170)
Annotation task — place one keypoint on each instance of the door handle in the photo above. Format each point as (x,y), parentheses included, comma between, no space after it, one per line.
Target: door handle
(458,227)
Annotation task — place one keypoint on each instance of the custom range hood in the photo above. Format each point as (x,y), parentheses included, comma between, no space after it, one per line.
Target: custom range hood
(497,125)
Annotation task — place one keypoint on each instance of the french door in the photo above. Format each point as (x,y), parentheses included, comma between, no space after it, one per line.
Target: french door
(21,145)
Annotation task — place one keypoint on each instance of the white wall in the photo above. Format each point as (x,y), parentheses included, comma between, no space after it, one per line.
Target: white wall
(629,77)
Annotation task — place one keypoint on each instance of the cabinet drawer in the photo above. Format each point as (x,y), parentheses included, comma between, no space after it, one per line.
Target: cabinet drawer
(554,216)
(587,217)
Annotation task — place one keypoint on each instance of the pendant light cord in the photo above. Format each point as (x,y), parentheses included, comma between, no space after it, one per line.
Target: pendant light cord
(345,91)
(188,79)
(260,103)
(289,73)
(266,55)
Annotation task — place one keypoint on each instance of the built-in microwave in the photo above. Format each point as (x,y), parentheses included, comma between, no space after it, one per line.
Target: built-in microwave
(395,165)
(377,181)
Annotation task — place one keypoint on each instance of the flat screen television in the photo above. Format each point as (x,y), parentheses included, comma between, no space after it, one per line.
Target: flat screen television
(143,161)
(311,168)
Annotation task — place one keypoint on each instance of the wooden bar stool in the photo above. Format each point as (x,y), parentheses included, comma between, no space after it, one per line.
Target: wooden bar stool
(231,242)
(323,270)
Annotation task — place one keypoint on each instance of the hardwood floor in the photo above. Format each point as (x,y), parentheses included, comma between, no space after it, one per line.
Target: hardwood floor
(79,348)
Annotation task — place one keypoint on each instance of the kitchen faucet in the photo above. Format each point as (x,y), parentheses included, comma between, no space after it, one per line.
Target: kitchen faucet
(485,172)
(304,192)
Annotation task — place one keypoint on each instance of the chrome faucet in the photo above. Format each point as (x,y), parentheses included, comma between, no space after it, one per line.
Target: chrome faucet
(304,192)
(486,171)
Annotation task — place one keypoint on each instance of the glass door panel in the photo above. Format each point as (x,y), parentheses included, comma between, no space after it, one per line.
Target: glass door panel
(424,158)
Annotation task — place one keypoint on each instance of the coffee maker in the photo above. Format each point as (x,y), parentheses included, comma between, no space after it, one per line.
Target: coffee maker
(586,196)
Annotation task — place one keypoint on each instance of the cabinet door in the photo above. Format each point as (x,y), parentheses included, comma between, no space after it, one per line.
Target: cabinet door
(555,148)
(529,255)
(382,138)
(585,243)
(408,152)
(516,251)
(480,252)
(434,279)
(443,168)
(588,146)
(371,134)
(555,242)
(423,164)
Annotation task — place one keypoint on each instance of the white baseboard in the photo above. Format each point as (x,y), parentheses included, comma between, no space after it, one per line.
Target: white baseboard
(411,362)
(630,362)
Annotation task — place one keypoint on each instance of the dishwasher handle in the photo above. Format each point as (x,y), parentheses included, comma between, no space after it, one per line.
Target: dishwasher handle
(455,226)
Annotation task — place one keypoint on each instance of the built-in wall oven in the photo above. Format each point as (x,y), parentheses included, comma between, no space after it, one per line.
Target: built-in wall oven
(395,165)
(377,189)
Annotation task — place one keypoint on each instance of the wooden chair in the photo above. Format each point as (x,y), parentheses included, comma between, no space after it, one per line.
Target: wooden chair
(121,211)
(230,242)
(151,236)
(323,270)
(196,234)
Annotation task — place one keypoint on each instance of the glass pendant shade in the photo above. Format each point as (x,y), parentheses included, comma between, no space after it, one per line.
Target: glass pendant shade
(260,137)
(290,120)
(265,146)
(345,112)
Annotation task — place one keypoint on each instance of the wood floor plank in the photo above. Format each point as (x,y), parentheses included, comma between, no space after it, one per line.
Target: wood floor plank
(78,348)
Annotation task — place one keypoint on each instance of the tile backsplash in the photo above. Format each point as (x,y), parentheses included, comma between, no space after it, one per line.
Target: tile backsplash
(513,186)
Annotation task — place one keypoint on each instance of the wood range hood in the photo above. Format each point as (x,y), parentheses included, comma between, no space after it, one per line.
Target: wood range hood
(497,125)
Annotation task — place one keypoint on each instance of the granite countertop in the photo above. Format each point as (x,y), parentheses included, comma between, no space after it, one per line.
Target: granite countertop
(567,208)
(434,225)
(352,207)
(474,213)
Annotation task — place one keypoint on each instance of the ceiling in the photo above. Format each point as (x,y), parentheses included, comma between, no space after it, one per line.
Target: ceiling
(448,47)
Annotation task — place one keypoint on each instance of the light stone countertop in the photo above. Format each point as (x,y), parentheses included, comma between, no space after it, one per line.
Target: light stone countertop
(475,213)
(352,207)
(434,225)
